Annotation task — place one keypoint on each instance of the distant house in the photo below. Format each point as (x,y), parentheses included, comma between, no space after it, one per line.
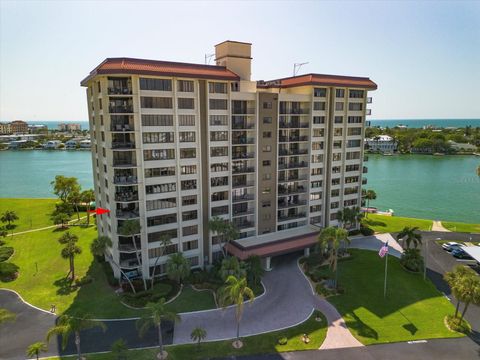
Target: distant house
(462,146)
(85,144)
(71,144)
(15,144)
(382,143)
(52,144)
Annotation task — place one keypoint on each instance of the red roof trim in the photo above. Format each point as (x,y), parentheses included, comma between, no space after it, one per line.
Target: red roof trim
(320,80)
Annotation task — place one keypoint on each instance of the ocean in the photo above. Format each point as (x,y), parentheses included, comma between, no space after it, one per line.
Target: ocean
(53,125)
(419,123)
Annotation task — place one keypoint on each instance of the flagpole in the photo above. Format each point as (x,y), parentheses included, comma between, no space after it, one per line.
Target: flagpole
(385,284)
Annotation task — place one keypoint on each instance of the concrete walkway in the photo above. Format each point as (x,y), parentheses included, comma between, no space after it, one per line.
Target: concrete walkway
(375,242)
(437,226)
(48,227)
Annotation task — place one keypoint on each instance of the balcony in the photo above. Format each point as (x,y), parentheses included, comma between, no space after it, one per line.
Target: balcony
(293,125)
(365,170)
(364,181)
(242,140)
(291,217)
(120,109)
(285,204)
(125,180)
(129,264)
(123,145)
(365,158)
(243,212)
(243,155)
(242,110)
(119,86)
(293,165)
(126,196)
(368,111)
(291,190)
(242,125)
(369,100)
(293,111)
(121,127)
(119,91)
(292,178)
(242,198)
(290,152)
(127,214)
(244,224)
(127,248)
(243,170)
(292,138)
(241,184)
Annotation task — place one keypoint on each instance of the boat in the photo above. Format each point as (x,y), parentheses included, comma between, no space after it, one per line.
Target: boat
(387,154)
(438,154)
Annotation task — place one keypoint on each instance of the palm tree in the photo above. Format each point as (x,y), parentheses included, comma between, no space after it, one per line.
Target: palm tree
(70,250)
(155,313)
(87,197)
(370,195)
(9,216)
(455,279)
(99,247)
(198,334)
(132,228)
(36,348)
(75,198)
(68,325)
(6,315)
(119,349)
(226,230)
(255,269)
(470,293)
(332,238)
(164,242)
(178,267)
(235,292)
(410,235)
(231,266)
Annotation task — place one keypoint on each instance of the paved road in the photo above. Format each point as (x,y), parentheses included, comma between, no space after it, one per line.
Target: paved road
(32,325)
(441,349)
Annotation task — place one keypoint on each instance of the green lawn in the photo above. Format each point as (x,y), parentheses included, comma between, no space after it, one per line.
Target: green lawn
(387,224)
(32,213)
(258,344)
(414,308)
(192,300)
(461,227)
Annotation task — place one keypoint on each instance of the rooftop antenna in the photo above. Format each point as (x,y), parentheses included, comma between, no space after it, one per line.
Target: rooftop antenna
(208,57)
(297,66)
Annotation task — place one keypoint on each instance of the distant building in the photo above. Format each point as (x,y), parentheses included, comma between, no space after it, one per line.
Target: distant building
(71,144)
(5,129)
(52,144)
(18,127)
(85,144)
(69,127)
(462,147)
(383,143)
(34,129)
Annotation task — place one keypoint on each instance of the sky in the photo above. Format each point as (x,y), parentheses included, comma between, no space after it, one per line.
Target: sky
(424,56)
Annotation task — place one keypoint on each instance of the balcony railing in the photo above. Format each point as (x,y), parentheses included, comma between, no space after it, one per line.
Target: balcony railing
(294,111)
(243,111)
(242,198)
(129,264)
(364,181)
(243,126)
(242,184)
(368,111)
(245,155)
(284,205)
(365,158)
(292,217)
(120,109)
(292,178)
(125,180)
(243,212)
(127,248)
(369,100)
(365,170)
(293,125)
(119,91)
(241,170)
(121,214)
(126,196)
(244,225)
(292,138)
(124,163)
(122,127)
(290,152)
(296,165)
(289,191)
(123,145)
(243,140)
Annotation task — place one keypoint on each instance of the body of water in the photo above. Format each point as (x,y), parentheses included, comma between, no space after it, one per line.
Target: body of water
(53,125)
(419,123)
(423,186)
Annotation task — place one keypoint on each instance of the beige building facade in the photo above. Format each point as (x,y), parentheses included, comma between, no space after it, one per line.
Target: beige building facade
(176,144)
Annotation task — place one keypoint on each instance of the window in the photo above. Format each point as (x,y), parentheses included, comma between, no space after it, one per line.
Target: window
(189,184)
(267,120)
(163,171)
(161,220)
(189,200)
(267,134)
(317,158)
(220,210)
(219,151)
(267,105)
(99,87)
(316,220)
(187,136)
(353,155)
(217,88)
(319,105)
(340,93)
(354,119)
(157,120)
(219,181)
(155,84)
(219,196)
(186,103)
(319,119)
(100,104)
(218,120)
(317,145)
(353,143)
(351,179)
(190,230)
(188,153)
(235,86)
(350,202)
(190,245)
(336,169)
(349,168)
(316,184)
(318,132)
(185,86)
(158,137)
(334,205)
(267,176)
(189,215)
(219,167)
(157,236)
(266,204)
(186,120)
(189,169)
(335,193)
(337,156)
(218,135)
(319,92)
(161,204)
(266,148)
(160,188)
(156,252)
(337,132)
(339,106)
(149,102)
(355,94)
(266,162)
(354,131)
(160,154)
(315,208)
(355,106)
(338,120)
(315,196)
(218,104)
(350,190)
(316,171)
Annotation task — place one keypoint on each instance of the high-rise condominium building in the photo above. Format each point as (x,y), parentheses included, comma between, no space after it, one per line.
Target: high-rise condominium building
(176,144)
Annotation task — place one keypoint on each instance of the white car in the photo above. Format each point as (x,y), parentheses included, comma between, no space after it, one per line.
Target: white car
(450,246)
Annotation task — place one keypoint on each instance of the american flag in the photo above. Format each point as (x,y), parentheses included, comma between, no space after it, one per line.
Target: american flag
(383,250)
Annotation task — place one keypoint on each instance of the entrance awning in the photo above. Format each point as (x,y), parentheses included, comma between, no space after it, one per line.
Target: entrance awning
(473,251)
(276,247)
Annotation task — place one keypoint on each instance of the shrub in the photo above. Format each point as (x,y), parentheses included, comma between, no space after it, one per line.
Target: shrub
(412,260)
(282,341)
(87,279)
(8,271)
(5,253)
(140,299)
(366,231)
(455,324)
(322,290)
(354,232)
(2,242)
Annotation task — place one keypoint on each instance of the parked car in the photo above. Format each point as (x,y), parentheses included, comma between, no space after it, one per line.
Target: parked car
(459,253)
(449,246)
